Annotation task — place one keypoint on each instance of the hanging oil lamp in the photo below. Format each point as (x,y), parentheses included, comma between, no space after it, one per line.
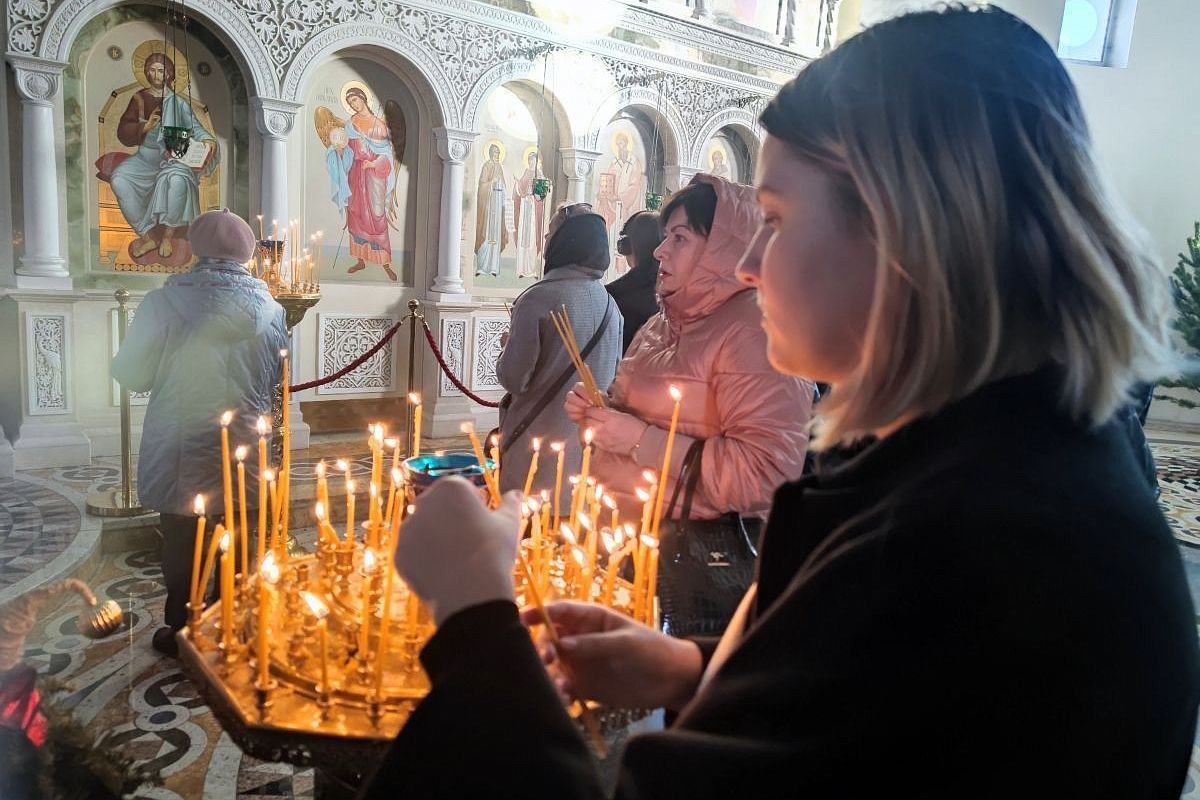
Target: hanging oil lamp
(541,188)
(653,201)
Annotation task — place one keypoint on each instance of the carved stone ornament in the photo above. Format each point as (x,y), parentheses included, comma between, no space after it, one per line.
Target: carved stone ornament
(453,146)
(37,81)
(275,118)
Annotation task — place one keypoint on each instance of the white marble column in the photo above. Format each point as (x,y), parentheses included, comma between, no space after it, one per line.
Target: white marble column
(578,165)
(453,147)
(274,119)
(42,265)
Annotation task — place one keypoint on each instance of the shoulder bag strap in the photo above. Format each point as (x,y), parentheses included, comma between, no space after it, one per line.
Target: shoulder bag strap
(689,479)
(556,388)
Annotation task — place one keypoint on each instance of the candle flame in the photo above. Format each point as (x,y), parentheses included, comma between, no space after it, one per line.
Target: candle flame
(268,475)
(319,511)
(268,569)
(545,495)
(610,543)
(650,475)
(410,510)
(349,485)
(642,494)
(629,530)
(649,540)
(321,468)
(537,444)
(533,504)
(397,476)
(342,465)
(619,536)
(467,428)
(392,443)
(226,418)
(377,433)
(556,446)
(225,542)
(567,533)
(414,398)
(283,353)
(263,426)
(574,480)
(240,452)
(373,490)
(495,440)
(198,505)
(580,558)
(583,521)
(439,453)
(676,395)
(587,436)
(370,562)
(316,604)
(609,503)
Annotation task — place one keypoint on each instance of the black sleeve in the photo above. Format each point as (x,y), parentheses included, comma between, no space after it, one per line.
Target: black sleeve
(492,725)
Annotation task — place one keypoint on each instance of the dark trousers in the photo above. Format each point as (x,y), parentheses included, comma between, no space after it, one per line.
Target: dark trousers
(178,545)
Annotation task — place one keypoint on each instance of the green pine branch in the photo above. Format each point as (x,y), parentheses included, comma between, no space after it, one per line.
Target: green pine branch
(1185,283)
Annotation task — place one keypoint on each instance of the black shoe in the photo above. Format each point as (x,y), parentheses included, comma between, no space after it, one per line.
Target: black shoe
(164,642)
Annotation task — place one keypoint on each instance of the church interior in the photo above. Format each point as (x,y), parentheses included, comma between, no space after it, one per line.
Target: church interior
(398,163)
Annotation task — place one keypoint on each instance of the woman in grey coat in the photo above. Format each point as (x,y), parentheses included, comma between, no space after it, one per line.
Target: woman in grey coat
(533,363)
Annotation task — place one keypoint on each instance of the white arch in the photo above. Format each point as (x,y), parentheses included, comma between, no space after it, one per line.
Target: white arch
(742,120)
(435,88)
(670,121)
(518,70)
(221,18)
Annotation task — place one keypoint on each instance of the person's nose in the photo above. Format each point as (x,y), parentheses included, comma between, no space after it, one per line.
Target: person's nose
(749,269)
(660,252)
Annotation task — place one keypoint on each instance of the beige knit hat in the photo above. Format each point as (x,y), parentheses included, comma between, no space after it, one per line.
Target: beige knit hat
(221,235)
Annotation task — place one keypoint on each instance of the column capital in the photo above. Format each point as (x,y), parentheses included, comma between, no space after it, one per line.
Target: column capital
(274,118)
(38,79)
(453,146)
(578,163)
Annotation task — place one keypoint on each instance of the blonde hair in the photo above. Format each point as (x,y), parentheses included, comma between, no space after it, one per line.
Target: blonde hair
(959,144)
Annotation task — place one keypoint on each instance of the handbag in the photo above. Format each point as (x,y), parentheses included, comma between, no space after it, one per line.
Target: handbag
(554,389)
(705,566)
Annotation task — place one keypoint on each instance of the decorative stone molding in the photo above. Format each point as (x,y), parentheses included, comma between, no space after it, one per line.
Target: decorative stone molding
(741,118)
(673,130)
(47,356)
(37,79)
(343,338)
(454,348)
(577,162)
(488,331)
(453,146)
(274,118)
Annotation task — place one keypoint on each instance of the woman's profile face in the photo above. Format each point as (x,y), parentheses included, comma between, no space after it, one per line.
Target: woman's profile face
(678,253)
(814,269)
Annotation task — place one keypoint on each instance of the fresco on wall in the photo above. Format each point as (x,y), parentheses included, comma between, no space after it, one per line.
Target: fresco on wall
(358,190)
(146,196)
(719,159)
(761,14)
(620,180)
(363,154)
(506,223)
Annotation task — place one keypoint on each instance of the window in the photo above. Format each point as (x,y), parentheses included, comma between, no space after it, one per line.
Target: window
(1097,32)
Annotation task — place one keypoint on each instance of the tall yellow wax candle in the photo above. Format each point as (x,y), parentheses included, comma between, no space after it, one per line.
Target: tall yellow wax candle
(676,395)
(319,610)
(260,228)
(388,509)
(226,475)
(368,575)
(263,428)
(651,581)
(273,491)
(268,573)
(611,505)
(227,601)
(371,539)
(494,490)
(533,465)
(349,511)
(414,401)
(385,616)
(496,461)
(639,577)
(322,486)
(198,510)
(243,527)
(559,448)
(376,471)
(577,500)
(614,568)
(285,467)
(210,561)
(647,499)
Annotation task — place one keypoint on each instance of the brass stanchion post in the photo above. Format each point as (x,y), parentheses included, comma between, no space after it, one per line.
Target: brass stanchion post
(122,502)
(416,316)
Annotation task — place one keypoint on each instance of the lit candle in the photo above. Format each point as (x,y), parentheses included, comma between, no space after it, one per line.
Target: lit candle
(385,617)
(616,514)
(558,448)
(198,510)
(577,499)
(272,490)
(376,470)
(322,486)
(533,465)
(275,230)
(615,559)
(584,582)
(496,461)
(676,395)
(651,577)
(210,562)
(243,528)
(260,228)
(268,573)
(263,428)
(320,611)
(371,539)
(227,592)
(647,499)
(388,509)
(350,511)
(369,566)
(397,504)
(226,475)
(414,401)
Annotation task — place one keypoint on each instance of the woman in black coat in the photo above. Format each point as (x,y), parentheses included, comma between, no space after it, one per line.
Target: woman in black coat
(984,600)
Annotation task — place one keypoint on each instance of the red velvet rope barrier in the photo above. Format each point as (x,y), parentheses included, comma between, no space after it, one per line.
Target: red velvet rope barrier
(353,365)
(437,353)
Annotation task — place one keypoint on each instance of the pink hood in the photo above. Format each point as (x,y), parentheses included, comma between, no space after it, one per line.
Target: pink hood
(713,278)
(709,342)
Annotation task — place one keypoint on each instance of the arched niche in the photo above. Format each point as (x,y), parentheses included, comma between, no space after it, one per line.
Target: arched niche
(736,124)
(364,158)
(521,128)
(729,153)
(127,212)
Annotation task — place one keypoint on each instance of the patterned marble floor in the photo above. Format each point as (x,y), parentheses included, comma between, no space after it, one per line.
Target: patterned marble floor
(120,685)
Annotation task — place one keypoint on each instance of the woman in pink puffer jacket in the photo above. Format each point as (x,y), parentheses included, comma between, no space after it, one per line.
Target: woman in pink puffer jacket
(708,341)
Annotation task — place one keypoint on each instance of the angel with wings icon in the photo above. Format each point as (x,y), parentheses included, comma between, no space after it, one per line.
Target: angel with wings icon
(362,156)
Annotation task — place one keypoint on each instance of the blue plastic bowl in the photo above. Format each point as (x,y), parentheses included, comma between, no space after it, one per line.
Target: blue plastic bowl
(426,469)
